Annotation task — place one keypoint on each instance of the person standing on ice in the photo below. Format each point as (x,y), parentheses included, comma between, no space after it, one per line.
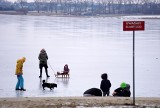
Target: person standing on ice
(43,57)
(19,73)
(105,84)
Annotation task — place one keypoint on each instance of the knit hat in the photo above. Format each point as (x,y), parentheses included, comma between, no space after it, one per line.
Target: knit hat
(123,85)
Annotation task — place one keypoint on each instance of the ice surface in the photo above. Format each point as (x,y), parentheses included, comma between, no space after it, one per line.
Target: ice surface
(90,46)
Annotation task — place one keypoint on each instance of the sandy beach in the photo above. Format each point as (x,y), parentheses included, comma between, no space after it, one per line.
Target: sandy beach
(78,102)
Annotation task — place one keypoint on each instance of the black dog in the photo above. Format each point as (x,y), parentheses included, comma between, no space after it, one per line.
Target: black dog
(49,85)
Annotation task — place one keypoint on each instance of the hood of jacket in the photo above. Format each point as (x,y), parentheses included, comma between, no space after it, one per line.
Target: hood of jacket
(43,51)
(19,66)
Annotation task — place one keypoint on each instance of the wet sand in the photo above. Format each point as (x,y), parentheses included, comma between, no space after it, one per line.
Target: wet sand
(79,102)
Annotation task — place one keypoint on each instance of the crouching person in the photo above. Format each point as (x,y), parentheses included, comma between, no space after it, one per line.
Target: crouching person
(123,90)
(19,73)
(92,92)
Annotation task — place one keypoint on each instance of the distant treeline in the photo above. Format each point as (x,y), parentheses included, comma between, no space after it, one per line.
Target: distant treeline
(85,7)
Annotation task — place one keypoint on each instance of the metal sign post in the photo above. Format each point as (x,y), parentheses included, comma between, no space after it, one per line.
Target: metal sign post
(133,67)
(132,26)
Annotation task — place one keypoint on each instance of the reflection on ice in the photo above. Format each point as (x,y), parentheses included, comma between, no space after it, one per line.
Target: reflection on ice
(64,81)
(19,93)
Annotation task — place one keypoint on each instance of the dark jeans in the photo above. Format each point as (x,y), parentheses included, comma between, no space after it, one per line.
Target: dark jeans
(106,93)
(45,66)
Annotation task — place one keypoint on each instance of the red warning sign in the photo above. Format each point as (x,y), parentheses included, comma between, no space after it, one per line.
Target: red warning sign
(133,25)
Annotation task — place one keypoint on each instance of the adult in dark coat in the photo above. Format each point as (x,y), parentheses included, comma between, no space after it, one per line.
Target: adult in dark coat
(105,84)
(93,92)
(43,57)
(123,90)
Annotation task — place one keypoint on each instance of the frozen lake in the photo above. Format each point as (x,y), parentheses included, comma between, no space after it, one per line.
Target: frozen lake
(90,46)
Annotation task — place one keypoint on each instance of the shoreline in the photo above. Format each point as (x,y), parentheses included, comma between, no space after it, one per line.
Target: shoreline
(80,102)
(34,13)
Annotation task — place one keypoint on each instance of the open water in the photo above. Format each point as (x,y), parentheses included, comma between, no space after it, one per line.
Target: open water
(90,46)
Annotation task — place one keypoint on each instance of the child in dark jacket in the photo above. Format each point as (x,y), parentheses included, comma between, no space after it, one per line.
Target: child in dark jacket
(105,84)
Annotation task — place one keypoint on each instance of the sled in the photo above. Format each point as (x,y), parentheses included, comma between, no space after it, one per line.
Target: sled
(62,75)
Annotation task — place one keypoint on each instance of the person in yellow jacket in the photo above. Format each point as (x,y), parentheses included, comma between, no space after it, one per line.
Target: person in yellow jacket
(19,73)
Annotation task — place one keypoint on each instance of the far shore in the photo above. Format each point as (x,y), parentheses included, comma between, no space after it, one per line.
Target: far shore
(35,13)
(79,102)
